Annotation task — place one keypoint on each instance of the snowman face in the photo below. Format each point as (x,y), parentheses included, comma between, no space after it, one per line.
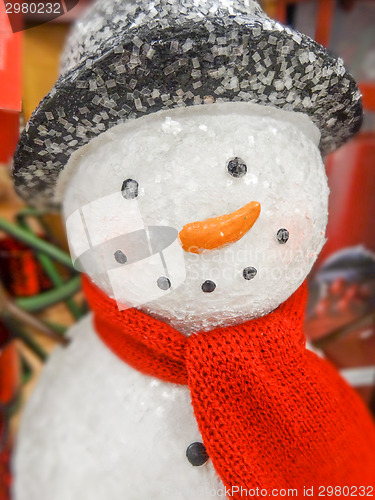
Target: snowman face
(196,168)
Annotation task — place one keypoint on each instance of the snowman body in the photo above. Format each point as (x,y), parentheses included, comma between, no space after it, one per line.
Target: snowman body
(96,428)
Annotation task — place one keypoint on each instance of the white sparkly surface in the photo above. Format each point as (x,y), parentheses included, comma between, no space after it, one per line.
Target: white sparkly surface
(95,29)
(179,160)
(95,429)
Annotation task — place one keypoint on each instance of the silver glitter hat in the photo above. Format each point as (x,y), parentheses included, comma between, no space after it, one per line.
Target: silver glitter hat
(127,59)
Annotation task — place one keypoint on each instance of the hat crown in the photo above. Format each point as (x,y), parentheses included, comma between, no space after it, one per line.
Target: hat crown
(108,19)
(126,60)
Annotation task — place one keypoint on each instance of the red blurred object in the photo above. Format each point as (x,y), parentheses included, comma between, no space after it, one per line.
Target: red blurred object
(341,306)
(324,21)
(20,272)
(338,286)
(368,95)
(5,475)
(9,373)
(321,308)
(9,133)
(324,16)
(341,319)
(9,386)
(351,177)
(21,275)
(10,86)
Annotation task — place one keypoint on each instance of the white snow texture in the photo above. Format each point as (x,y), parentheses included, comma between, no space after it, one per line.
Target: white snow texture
(179,159)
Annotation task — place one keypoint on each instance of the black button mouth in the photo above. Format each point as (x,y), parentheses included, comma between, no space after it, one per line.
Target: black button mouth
(208,286)
(249,273)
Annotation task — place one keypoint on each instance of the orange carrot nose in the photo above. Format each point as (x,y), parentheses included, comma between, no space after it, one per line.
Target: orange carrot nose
(217,232)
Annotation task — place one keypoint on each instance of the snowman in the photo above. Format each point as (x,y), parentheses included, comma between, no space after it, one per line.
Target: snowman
(184,143)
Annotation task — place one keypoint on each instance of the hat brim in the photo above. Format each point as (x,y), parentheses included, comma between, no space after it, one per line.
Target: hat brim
(249,60)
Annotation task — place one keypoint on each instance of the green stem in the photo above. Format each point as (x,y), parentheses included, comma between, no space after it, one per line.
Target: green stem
(50,269)
(36,243)
(29,212)
(26,369)
(31,344)
(61,329)
(27,339)
(47,299)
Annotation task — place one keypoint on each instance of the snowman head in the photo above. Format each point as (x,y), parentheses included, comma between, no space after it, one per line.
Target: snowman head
(204,216)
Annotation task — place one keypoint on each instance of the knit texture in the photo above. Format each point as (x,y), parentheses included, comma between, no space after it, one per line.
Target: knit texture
(271,413)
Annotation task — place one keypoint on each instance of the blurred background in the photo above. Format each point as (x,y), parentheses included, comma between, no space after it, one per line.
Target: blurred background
(39,289)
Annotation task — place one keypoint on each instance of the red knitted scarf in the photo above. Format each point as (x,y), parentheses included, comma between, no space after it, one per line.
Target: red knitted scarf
(271,413)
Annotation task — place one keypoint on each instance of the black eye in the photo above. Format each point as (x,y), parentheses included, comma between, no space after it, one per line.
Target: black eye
(164,283)
(120,257)
(129,189)
(237,167)
(282,236)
